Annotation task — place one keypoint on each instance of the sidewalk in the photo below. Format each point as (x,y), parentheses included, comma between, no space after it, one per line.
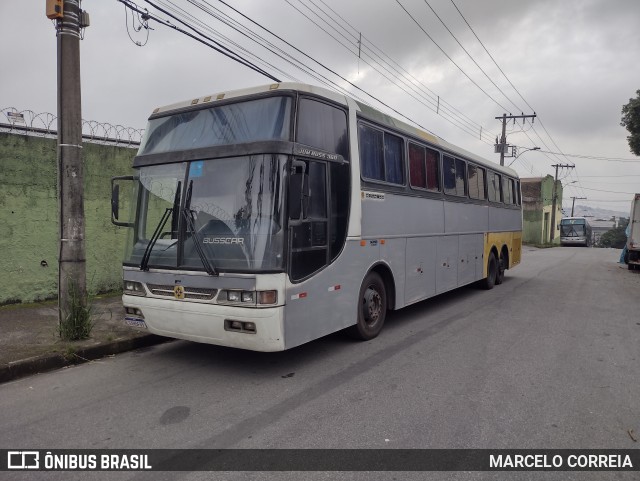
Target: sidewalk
(29,341)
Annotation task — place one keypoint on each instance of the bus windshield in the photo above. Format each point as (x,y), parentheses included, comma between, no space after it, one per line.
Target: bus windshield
(228,210)
(576,230)
(248,121)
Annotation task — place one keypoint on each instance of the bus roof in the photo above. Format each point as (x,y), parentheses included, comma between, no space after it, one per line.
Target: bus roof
(368,111)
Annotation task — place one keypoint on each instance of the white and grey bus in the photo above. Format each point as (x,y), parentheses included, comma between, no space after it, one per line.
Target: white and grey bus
(575,231)
(265,218)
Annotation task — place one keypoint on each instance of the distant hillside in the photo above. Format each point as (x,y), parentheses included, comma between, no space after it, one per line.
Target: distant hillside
(596,213)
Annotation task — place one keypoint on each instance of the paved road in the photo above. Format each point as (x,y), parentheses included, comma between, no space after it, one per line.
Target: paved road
(549,359)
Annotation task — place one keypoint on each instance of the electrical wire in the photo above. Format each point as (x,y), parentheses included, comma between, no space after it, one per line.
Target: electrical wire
(208,42)
(449,57)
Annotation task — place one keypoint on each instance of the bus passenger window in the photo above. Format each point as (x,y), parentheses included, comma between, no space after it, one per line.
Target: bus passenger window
(433,177)
(393,149)
(507,190)
(371,152)
(476,182)
(417,174)
(454,176)
(494,187)
(423,167)
(381,155)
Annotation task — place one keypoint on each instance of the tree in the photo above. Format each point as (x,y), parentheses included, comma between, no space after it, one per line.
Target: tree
(631,121)
(615,237)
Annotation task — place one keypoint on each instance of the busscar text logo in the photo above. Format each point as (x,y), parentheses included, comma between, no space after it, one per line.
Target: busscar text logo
(223,240)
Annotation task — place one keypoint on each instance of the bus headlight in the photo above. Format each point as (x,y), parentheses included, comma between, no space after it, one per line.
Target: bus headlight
(249,298)
(233,296)
(134,288)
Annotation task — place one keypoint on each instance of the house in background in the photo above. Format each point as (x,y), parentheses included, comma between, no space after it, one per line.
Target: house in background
(537,204)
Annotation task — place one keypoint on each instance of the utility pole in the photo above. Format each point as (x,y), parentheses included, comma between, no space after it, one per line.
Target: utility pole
(555,198)
(574,203)
(503,138)
(72,277)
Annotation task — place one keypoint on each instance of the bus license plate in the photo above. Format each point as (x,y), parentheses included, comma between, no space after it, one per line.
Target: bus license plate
(135,322)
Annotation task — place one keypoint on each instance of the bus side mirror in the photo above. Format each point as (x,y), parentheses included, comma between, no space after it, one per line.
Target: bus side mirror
(298,191)
(115,200)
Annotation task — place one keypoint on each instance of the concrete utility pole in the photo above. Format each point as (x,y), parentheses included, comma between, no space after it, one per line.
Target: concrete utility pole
(503,138)
(71,260)
(574,203)
(555,198)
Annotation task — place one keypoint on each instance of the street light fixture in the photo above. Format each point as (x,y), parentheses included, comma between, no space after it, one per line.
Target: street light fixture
(525,150)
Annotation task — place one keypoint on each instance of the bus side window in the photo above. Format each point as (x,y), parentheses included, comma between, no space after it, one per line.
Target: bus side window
(476,182)
(454,176)
(323,126)
(381,155)
(423,167)
(507,190)
(495,189)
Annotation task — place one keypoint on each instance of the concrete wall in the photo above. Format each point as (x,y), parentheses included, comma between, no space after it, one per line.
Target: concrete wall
(29,217)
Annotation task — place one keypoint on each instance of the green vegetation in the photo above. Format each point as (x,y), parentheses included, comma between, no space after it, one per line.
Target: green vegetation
(616,237)
(631,121)
(77,322)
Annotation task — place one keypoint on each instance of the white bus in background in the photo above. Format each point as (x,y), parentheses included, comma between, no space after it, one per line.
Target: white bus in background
(265,218)
(575,231)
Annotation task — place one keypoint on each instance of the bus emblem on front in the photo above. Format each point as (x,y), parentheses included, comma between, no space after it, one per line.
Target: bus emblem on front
(178,292)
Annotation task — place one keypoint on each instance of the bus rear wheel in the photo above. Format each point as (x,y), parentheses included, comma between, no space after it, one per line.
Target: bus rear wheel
(501,267)
(492,272)
(372,308)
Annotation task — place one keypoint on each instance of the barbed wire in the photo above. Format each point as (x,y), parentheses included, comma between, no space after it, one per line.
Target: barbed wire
(45,124)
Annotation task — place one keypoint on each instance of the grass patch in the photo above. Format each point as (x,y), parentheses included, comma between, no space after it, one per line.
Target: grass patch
(77,322)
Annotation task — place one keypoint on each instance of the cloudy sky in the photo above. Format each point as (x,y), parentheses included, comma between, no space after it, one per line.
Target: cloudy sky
(573,62)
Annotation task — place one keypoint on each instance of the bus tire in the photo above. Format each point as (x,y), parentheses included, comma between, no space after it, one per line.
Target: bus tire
(492,270)
(500,271)
(372,308)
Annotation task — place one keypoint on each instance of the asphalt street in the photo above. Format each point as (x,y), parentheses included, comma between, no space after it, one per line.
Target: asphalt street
(549,359)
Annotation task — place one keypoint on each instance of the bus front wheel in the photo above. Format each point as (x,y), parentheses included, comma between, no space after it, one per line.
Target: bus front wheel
(372,308)
(492,272)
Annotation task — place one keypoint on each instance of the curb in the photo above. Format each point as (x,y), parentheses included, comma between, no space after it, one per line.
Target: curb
(48,362)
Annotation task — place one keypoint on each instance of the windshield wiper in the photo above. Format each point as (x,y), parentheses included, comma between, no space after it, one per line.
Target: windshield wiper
(144,263)
(191,229)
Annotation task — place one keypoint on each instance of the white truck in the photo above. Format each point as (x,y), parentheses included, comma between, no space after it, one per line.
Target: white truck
(633,237)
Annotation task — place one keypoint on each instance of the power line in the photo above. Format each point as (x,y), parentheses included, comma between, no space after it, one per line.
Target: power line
(609,191)
(592,157)
(491,57)
(373,48)
(450,59)
(471,56)
(514,88)
(209,42)
(433,103)
(313,60)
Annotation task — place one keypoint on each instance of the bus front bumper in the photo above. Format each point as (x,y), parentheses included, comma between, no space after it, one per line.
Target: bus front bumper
(210,323)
